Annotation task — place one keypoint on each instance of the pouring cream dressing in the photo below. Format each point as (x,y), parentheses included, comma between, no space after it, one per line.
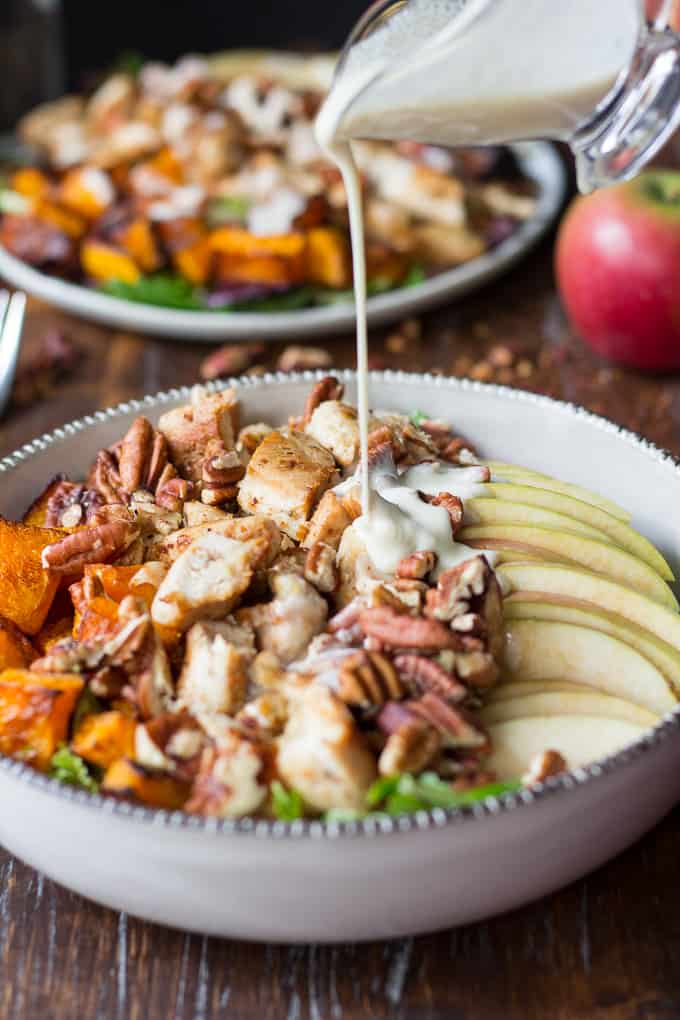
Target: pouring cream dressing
(457,72)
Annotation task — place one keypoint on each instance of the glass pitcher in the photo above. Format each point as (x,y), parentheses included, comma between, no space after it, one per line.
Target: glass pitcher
(594,73)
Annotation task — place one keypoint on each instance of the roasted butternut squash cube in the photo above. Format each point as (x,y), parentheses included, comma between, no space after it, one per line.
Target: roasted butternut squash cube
(30,182)
(237,241)
(137,239)
(103,262)
(87,191)
(26,589)
(104,738)
(35,711)
(98,620)
(329,261)
(65,220)
(116,581)
(125,778)
(195,262)
(16,651)
(267,270)
(166,164)
(37,511)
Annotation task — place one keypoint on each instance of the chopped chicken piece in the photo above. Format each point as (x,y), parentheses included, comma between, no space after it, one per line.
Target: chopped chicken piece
(328,523)
(214,676)
(322,754)
(256,529)
(203,428)
(205,582)
(285,478)
(335,425)
(354,567)
(287,624)
(196,513)
(229,782)
(447,246)
(418,189)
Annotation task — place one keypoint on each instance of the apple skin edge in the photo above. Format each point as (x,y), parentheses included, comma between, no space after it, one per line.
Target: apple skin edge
(616,261)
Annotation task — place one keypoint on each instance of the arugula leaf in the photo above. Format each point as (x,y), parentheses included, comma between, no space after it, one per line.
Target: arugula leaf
(165,289)
(415,275)
(381,789)
(287,804)
(227,209)
(70,768)
(291,300)
(406,793)
(418,417)
(339,814)
(130,62)
(327,296)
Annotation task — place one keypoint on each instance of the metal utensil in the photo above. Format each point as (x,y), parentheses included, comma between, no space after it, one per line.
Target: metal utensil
(12,312)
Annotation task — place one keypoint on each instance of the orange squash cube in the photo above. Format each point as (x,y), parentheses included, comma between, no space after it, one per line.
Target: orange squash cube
(103,262)
(87,191)
(26,589)
(329,262)
(105,737)
(35,712)
(237,241)
(137,239)
(114,580)
(126,778)
(97,622)
(30,182)
(65,220)
(16,651)
(184,232)
(195,262)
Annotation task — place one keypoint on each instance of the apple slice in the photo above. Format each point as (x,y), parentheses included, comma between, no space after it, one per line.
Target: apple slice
(557,579)
(520,688)
(601,557)
(619,532)
(534,606)
(560,702)
(501,511)
(544,650)
(580,739)
(501,472)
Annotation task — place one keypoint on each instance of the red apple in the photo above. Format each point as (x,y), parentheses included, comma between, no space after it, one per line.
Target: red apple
(618,270)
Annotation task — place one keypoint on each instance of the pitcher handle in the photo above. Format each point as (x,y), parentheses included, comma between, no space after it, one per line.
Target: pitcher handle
(635,122)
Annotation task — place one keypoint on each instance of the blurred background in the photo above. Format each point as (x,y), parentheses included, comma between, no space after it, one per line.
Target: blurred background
(47,46)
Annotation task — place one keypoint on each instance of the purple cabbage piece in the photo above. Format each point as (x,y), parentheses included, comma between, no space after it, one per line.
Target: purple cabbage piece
(240,292)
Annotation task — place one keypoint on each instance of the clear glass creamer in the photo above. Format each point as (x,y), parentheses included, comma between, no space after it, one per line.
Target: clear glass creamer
(592,73)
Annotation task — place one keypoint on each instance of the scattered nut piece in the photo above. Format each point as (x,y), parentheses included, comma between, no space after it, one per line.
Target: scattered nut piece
(367,679)
(410,749)
(232,359)
(542,766)
(298,359)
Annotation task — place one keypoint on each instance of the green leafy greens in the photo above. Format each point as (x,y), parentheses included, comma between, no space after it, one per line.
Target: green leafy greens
(70,768)
(286,804)
(418,417)
(164,289)
(405,794)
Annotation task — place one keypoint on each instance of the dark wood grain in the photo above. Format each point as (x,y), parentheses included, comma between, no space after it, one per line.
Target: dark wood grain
(606,948)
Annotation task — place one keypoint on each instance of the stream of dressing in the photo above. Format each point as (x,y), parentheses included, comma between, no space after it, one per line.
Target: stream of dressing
(428,75)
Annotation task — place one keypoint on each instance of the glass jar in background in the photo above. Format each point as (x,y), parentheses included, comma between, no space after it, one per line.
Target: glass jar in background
(31,56)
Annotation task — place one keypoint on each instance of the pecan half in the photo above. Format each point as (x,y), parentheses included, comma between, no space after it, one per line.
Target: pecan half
(452,504)
(232,359)
(142,456)
(381,448)
(477,668)
(449,446)
(416,566)
(458,727)
(172,492)
(428,675)
(393,715)
(369,678)
(397,630)
(328,388)
(346,618)
(456,589)
(95,544)
(320,568)
(410,749)
(220,476)
(297,359)
(70,505)
(542,766)
(104,477)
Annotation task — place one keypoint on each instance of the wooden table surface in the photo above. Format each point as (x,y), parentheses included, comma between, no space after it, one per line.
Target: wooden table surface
(606,947)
